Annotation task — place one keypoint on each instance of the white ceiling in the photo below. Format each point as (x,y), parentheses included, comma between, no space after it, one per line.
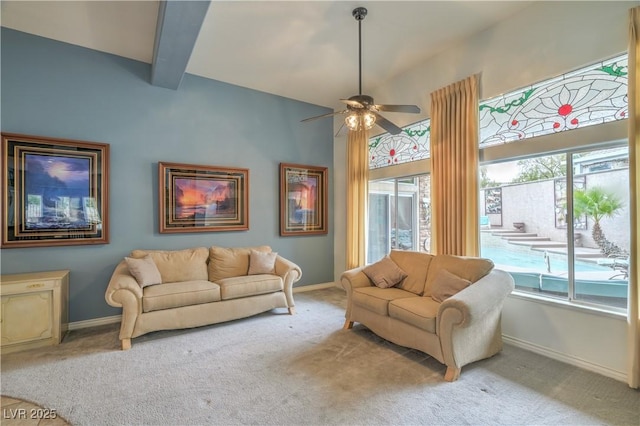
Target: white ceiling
(304,50)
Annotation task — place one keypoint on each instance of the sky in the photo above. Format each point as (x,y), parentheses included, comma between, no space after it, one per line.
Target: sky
(502,172)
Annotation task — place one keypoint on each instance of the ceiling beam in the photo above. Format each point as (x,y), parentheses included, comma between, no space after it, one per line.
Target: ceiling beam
(178,26)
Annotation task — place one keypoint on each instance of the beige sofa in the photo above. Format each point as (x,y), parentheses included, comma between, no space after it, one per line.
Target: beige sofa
(446,306)
(163,290)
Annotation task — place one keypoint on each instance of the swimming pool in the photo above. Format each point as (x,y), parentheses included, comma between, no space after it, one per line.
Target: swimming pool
(534,260)
(529,270)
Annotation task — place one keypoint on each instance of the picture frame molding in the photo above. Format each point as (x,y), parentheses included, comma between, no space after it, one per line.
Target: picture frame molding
(58,215)
(291,174)
(204,219)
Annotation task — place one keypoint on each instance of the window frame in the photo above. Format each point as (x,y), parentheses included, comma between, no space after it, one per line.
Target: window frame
(582,146)
(398,192)
(591,137)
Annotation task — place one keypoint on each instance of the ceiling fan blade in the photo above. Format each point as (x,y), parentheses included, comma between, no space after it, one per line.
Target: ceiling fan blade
(414,109)
(323,115)
(352,103)
(386,124)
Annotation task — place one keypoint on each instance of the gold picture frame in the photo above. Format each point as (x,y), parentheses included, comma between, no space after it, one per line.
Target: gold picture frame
(303,200)
(55,192)
(195,198)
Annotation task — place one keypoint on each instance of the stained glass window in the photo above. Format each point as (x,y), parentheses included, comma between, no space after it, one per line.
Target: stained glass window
(410,145)
(592,95)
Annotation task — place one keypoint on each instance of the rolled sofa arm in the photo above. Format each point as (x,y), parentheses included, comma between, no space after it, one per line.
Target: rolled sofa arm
(353,278)
(290,273)
(125,292)
(475,301)
(468,323)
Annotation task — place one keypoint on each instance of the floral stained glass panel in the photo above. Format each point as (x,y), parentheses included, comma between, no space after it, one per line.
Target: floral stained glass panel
(592,95)
(411,144)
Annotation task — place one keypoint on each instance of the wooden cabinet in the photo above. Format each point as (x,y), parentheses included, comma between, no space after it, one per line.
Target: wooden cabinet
(34,310)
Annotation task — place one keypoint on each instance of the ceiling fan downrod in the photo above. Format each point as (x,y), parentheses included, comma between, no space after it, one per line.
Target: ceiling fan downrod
(359,13)
(361,111)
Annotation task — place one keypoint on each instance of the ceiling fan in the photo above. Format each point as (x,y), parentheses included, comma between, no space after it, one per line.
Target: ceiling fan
(361,110)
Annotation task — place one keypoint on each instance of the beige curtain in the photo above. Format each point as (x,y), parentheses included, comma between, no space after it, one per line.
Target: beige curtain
(634,202)
(454,169)
(357,194)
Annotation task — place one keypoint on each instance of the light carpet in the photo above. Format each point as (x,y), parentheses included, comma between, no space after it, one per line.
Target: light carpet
(301,370)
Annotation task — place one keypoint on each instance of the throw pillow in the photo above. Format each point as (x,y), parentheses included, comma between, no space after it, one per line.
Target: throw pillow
(230,262)
(261,262)
(446,285)
(416,265)
(385,273)
(144,270)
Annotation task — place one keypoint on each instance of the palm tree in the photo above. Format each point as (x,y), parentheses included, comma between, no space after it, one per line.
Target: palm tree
(598,203)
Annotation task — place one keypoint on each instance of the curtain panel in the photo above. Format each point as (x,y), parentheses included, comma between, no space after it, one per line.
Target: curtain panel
(634,201)
(454,169)
(357,194)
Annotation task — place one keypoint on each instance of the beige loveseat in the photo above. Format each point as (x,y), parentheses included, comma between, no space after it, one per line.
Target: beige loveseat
(446,306)
(164,290)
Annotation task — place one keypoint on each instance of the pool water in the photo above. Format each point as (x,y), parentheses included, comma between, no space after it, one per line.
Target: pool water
(534,260)
(529,270)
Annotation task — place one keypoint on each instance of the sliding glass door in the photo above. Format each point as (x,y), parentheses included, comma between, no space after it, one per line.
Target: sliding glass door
(398,215)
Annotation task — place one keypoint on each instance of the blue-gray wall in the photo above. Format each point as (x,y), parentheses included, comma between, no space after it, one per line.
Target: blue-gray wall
(59,90)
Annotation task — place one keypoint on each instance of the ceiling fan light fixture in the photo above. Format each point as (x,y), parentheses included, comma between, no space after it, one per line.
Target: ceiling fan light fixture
(359,120)
(362,112)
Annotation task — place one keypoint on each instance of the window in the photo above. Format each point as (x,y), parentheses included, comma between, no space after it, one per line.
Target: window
(602,206)
(556,205)
(537,219)
(591,95)
(399,216)
(528,234)
(412,144)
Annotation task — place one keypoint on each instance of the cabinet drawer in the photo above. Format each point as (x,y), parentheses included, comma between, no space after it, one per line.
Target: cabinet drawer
(29,286)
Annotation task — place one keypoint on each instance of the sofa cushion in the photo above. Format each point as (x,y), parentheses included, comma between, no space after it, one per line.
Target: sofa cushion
(446,285)
(144,270)
(468,268)
(377,299)
(178,265)
(236,287)
(416,265)
(261,262)
(384,273)
(177,294)
(420,312)
(230,262)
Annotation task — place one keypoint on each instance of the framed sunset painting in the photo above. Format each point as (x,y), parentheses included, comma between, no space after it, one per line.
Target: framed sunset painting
(55,192)
(197,198)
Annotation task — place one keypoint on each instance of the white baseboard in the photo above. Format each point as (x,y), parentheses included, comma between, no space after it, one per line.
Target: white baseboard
(77,325)
(568,359)
(313,287)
